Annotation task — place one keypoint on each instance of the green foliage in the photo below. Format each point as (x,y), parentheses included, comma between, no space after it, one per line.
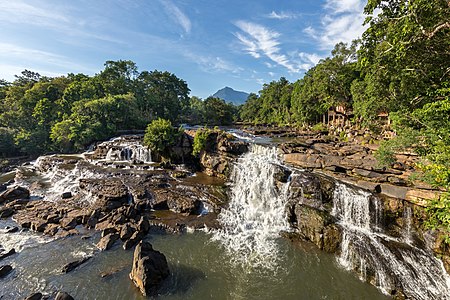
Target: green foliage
(200,138)
(160,135)
(212,111)
(67,113)
(438,212)
(319,127)
(7,145)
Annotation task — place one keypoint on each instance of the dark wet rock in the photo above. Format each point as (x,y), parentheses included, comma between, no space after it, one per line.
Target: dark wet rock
(9,253)
(6,212)
(143,225)
(66,195)
(282,174)
(38,225)
(126,232)
(35,296)
(311,224)
(149,269)
(75,264)
(110,193)
(133,240)
(112,271)
(12,229)
(63,296)
(107,241)
(108,230)
(14,193)
(5,270)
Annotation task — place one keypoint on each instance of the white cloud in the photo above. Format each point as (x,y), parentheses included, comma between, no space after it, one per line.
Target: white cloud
(343,22)
(259,41)
(282,15)
(177,15)
(345,6)
(20,12)
(211,64)
(35,57)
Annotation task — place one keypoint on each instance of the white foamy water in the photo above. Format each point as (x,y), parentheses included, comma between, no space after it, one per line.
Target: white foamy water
(395,263)
(252,222)
(122,149)
(19,240)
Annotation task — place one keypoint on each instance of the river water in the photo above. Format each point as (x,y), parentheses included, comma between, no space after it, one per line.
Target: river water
(245,259)
(199,267)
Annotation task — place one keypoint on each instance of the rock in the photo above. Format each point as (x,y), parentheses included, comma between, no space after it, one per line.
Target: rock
(332,237)
(6,212)
(38,225)
(14,193)
(126,232)
(149,269)
(107,241)
(9,253)
(12,230)
(75,264)
(63,296)
(143,225)
(311,224)
(108,230)
(133,240)
(5,270)
(304,160)
(35,296)
(66,195)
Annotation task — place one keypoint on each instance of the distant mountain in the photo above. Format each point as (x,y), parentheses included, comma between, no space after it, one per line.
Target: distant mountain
(230,95)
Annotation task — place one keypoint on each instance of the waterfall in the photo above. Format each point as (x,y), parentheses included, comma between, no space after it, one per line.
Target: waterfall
(126,149)
(387,262)
(256,215)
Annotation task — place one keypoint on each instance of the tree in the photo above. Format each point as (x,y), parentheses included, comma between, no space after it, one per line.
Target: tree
(162,94)
(404,55)
(160,135)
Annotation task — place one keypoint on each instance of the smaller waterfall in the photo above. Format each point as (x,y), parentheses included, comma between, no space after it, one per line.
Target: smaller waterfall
(387,262)
(407,219)
(256,213)
(126,149)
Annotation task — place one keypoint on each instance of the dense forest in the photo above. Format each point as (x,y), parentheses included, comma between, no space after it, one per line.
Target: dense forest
(39,114)
(399,66)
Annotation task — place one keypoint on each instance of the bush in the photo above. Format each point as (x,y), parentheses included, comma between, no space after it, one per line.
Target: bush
(200,138)
(160,135)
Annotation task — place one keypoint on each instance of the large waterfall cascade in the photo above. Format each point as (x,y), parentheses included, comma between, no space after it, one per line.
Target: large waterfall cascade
(256,214)
(389,261)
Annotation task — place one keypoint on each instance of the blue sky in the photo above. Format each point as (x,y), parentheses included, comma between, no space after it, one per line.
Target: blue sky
(210,44)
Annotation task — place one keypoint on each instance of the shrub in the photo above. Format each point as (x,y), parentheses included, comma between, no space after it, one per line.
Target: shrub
(200,138)
(160,135)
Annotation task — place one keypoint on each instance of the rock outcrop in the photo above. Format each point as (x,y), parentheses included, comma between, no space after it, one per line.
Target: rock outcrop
(149,269)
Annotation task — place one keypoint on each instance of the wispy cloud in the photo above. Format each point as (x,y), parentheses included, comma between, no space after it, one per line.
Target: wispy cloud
(345,6)
(177,15)
(36,57)
(213,64)
(20,12)
(343,22)
(282,15)
(260,41)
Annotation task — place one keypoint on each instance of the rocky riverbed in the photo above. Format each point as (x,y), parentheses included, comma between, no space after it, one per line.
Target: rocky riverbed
(119,192)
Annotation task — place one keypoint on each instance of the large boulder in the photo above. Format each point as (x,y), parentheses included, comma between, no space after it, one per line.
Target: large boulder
(5,270)
(149,268)
(14,193)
